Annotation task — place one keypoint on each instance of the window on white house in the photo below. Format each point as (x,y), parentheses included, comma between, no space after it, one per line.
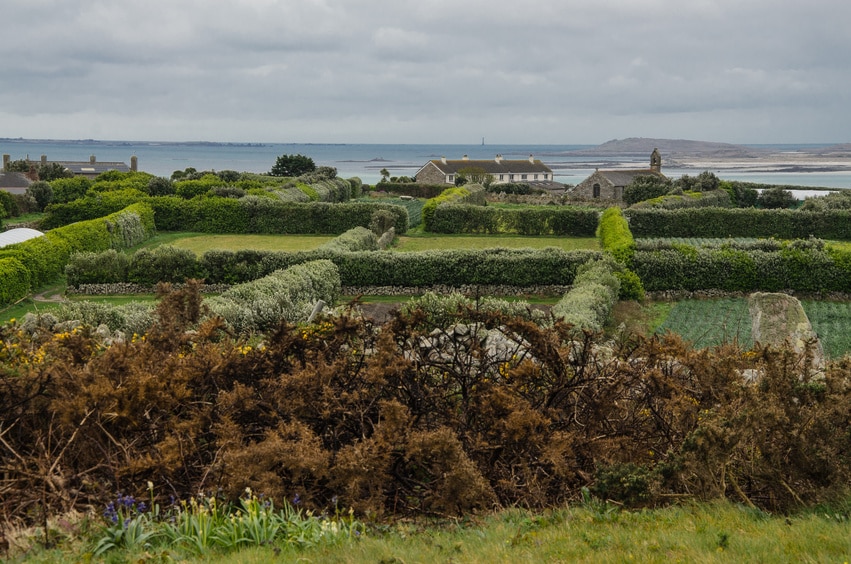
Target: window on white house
(502,177)
(536,177)
(522,177)
(451,178)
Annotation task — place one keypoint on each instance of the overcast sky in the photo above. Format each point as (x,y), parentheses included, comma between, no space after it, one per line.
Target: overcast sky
(426,71)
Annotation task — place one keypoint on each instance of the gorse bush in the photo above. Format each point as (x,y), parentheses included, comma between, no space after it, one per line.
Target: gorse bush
(383,422)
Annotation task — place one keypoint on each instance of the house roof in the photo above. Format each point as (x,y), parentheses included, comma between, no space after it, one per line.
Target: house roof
(625,177)
(13,180)
(88,167)
(491,166)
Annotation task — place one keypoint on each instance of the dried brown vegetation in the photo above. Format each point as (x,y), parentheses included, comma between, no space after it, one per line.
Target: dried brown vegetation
(346,412)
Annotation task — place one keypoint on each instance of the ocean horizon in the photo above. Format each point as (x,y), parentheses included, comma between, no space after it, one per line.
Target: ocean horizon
(366,160)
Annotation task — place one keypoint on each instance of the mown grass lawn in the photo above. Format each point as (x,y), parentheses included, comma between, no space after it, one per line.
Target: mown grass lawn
(430,241)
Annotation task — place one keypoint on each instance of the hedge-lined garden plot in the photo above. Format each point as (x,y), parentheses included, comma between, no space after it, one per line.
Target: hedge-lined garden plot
(707,323)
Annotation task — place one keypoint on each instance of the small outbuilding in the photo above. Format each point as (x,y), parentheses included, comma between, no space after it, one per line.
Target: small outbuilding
(14,182)
(610,184)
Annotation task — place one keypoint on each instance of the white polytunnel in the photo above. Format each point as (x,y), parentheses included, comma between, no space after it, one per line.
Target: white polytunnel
(18,235)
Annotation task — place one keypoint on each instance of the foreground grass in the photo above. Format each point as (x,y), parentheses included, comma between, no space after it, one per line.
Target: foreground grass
(431,241)
(693,532)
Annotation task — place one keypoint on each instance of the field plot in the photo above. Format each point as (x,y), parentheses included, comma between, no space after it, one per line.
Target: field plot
(832,323)
(432,241)
(711,322)
(200,243)
(708,323)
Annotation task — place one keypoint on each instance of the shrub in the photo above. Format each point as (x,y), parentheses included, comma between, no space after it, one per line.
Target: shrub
(451,194)
(615,236)
(381,221)
(105,267)
(645,187)
(93,205)
(725,222)
(285,295)
(776,198)
(355,239)
(41,192)
(161,264)
(159,186)
(538,220)
(14,280)
(8,205)
(189,189)
(292,165)
(69,189)
(588,304)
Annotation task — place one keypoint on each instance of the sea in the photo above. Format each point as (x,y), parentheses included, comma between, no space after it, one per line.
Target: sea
(365,161)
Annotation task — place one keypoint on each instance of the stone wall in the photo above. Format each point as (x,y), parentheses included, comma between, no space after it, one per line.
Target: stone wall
(608,191)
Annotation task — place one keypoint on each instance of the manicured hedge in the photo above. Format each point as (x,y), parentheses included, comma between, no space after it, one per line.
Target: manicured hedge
(263,215)
(510,267)
(798,266)
(45,257)
(92,206)
(615,236)
(412,189)
(726,222)
(14,280)
(473,194)
(538,220)
(712,198)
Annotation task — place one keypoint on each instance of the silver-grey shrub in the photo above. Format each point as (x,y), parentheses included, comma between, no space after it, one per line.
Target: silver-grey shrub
(288,295)
(355,239)
(595,291)
(443,310)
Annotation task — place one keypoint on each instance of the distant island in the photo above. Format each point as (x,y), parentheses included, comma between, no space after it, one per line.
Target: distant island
(708,155)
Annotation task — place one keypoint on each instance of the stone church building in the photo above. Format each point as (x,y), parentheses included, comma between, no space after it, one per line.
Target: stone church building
(609,184)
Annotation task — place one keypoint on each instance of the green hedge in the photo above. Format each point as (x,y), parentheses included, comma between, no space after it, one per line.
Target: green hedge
(45,257)
(799,266)
(92,206)
(14,280)
(263,215)
(537,220)
(473,194)
(511,267)
(726,222)
(712,198)
(615,236)
(412,189)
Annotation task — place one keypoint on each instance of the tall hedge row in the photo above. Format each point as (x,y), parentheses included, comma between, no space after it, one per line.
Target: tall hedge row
(798,267)
(44,258)
(262,215)
(511,267)
(727,222)
(540,220)
(615,236)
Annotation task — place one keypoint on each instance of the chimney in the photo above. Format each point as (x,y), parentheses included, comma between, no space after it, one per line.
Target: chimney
(443,160)
(134,163)
(43,160)
(465,158)
(498,158)
(6,159)
(92,159)
(532,159)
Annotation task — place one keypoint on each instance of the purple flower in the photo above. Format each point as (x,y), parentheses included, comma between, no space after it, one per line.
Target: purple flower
(296,499)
